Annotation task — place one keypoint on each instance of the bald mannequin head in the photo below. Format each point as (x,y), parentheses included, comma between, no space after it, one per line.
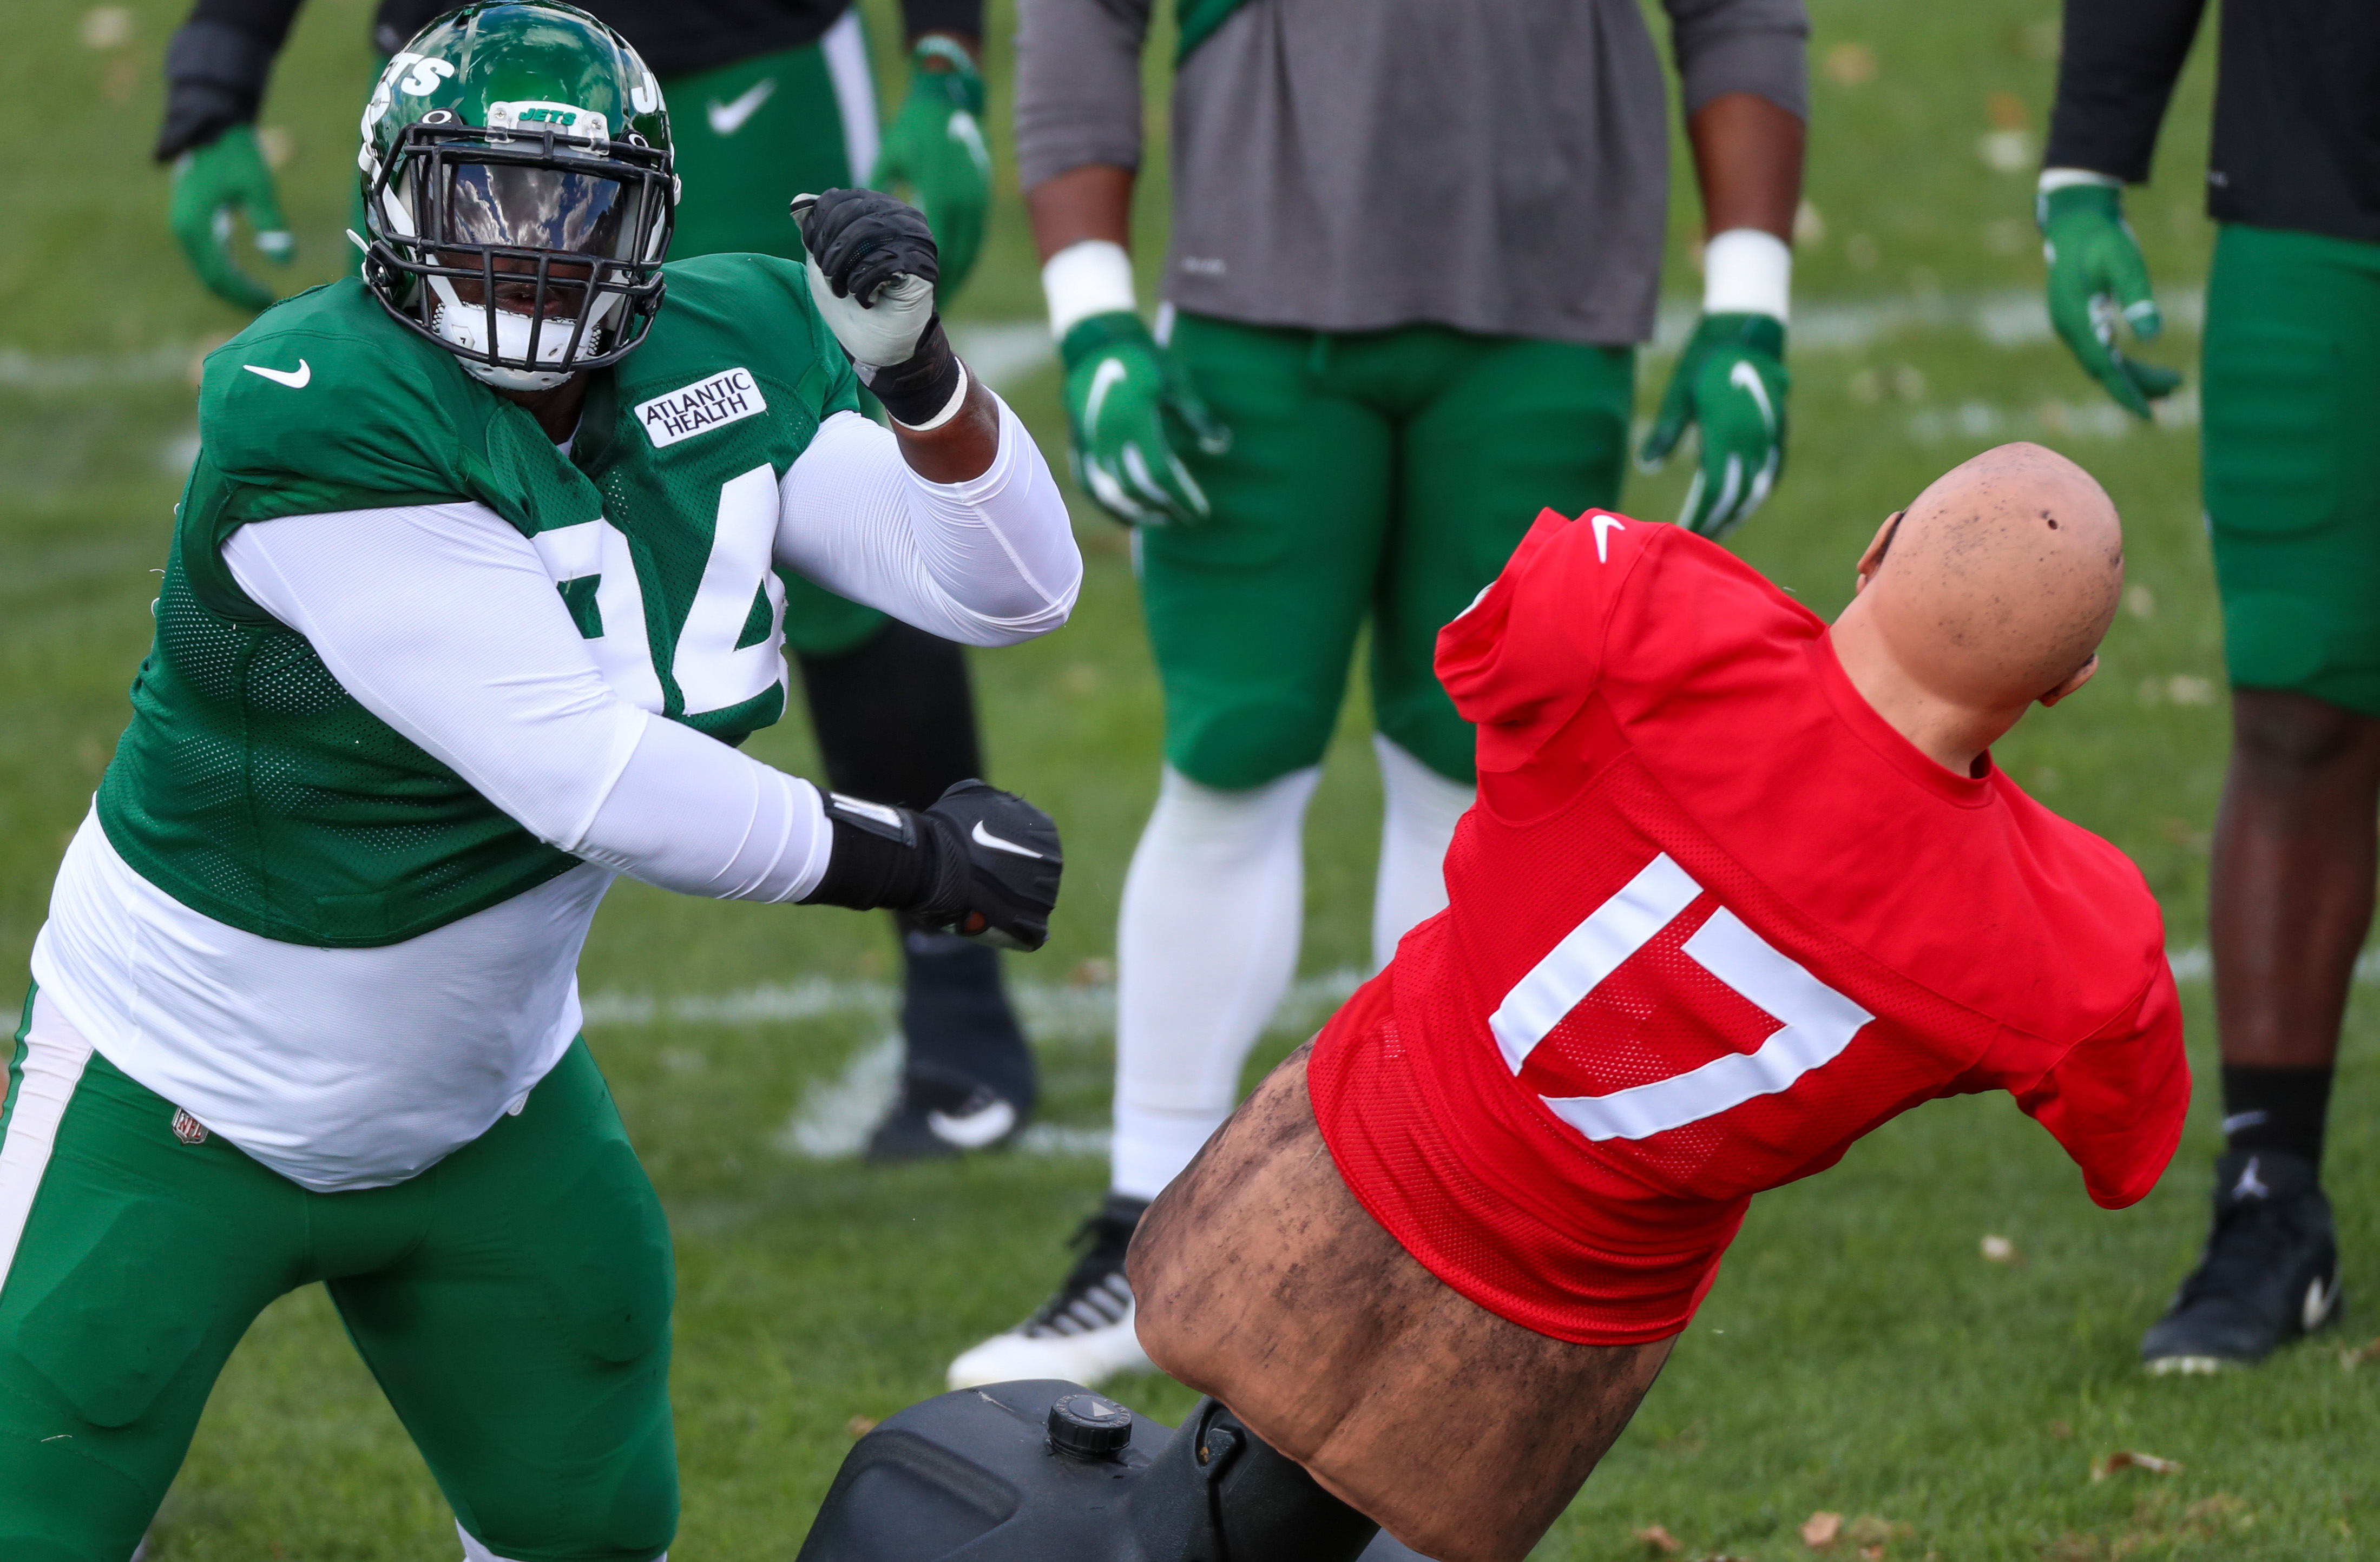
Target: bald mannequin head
(1990,591)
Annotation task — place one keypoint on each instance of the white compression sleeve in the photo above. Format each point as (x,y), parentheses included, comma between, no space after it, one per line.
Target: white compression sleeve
(988,562)
(442,621)
(1418,818)
(1205,946)
(474,1552)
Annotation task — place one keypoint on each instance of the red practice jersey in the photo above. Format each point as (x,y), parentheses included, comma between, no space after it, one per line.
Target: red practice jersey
(1712,920)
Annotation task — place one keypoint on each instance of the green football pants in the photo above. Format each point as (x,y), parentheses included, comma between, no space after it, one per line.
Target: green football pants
(1386,475)
(2291,461)
(749,136)
(513,1300)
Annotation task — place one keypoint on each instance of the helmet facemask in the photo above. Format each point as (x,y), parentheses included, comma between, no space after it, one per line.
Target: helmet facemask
(528,253)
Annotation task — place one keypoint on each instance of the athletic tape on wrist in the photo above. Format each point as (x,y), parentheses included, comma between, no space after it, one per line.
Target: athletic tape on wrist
(1093,277)
(1747,270)
(2066,178)
(950,408)
(917,392)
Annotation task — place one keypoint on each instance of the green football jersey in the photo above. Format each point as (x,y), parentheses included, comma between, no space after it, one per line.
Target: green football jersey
(252,788)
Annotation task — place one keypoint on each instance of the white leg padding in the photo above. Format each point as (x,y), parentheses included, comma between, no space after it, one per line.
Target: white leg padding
(54,1054)
(474,1552)
(1204,949)
(1417,817)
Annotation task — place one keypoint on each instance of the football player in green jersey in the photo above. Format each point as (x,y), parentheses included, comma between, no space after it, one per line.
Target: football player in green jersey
(774,96)
(476,583)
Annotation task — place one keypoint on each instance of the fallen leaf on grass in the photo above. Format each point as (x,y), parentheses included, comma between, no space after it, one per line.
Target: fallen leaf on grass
(1819,1530)
(858,1426)
(1998,1250)
(2350,1360)
(1872,1553)
(2127,1459)
(1659,1539)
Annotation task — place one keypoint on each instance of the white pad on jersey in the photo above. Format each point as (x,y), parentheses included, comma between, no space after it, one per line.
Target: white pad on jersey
(1205,946)
(1418,818)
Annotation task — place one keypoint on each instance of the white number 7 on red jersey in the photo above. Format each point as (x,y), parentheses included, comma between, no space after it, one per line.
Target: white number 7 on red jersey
(1815,1022)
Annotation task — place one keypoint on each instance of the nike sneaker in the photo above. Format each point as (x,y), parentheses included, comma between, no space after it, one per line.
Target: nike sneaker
(935,1116)
(2270,1274)
(1083,1334)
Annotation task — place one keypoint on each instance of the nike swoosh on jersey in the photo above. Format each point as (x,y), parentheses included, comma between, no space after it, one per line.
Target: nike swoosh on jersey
(1604,526)
(294,379)
(728,118)
(985,838)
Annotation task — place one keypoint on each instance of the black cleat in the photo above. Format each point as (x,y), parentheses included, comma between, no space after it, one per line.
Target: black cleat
(937,1117)
(2270,1274)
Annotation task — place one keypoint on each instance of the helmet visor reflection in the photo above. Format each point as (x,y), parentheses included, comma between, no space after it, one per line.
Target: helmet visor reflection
(525,207)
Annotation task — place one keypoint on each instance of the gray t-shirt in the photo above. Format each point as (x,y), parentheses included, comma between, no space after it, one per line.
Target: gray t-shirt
(1501,166)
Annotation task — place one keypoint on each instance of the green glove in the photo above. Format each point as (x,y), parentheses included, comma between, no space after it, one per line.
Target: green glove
(1732,380)
(1131,408)
(211,184)
(2095,274)
(935,146)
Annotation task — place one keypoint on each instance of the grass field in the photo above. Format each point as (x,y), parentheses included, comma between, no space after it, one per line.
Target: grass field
(1858,1355)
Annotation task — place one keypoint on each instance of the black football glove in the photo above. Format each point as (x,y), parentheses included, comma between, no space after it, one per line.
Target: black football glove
(862,239)
(1009,860)
(981,863)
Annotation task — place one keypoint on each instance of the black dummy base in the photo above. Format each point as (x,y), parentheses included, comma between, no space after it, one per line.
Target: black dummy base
(1042,1469)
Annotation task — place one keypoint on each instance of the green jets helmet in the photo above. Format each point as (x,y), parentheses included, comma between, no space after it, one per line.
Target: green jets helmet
(518,192)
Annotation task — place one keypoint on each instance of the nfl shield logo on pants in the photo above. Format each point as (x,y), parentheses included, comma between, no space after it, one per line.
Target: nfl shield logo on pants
(188,1129)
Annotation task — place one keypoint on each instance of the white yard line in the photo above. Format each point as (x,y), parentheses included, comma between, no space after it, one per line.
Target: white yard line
(836,1114)
(1001,351)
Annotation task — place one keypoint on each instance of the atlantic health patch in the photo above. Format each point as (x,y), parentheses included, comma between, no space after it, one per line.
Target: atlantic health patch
(697,409)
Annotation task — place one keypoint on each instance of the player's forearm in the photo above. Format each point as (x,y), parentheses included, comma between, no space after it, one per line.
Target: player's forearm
(989,561)
(216,68)
(689,814)
(2115,73)
(960,20)
(1093,201)
(1748,155)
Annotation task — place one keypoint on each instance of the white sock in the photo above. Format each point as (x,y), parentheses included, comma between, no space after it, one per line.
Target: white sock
(474,1552)
(1204,949)
(1418,818)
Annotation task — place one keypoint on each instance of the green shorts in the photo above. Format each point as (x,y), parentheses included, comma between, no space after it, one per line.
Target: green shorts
(513,1301)
(2292,461)
(1386,475)
(749,136)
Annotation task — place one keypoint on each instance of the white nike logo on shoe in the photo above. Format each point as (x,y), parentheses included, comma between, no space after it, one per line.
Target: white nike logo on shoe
(985,838)
(2319,1300)
(294,379)
(728,118)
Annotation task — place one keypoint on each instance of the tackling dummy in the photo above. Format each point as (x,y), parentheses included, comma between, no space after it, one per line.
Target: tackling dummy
(1739,888)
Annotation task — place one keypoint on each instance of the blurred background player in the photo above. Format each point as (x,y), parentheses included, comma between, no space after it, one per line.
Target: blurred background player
(2292,318)
(1411,250)
(768,98)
